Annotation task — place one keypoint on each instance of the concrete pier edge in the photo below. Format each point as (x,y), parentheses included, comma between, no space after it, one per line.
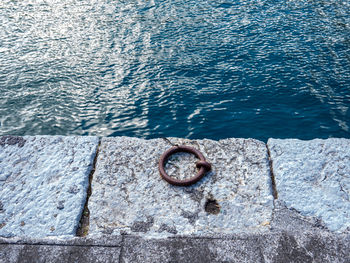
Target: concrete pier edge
(301,213)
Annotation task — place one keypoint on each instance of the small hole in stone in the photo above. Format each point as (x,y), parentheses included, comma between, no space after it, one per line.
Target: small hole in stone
(212,206)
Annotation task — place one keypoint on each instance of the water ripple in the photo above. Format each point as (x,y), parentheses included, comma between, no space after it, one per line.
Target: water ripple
(190,68)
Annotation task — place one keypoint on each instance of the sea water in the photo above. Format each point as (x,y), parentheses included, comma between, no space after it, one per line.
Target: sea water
(190,68)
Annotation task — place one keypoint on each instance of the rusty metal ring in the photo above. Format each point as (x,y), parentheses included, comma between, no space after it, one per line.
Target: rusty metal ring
(202,165)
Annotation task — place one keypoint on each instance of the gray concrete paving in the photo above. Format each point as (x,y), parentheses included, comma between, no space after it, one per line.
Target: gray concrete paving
(272,247)
(313,178)
(43,182)
(276,247)
(60,250)
(138,217)
(129,196)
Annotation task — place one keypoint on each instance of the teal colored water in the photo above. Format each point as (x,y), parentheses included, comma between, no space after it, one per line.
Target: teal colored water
(194,68)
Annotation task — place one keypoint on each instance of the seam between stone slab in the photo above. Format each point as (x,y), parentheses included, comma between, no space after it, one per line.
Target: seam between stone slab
(240,236)
(83,228)
(237,236)
(273,184)
(272,175)
(58,245)
(121,254)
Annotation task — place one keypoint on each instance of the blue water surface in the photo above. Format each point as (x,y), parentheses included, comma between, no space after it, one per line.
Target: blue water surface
(190,68)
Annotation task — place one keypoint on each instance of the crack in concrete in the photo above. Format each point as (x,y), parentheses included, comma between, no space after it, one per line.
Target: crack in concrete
(272,175)
(60,245)
(83,228)
(273,186)
(121,254)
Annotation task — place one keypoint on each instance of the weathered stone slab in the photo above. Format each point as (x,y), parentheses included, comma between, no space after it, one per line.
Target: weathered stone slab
(60,254)
(305,247)
(193,250)
(313,177)
(275,247)
(269,247)
(105,241)
(129,196)
(56,249)
(43,182)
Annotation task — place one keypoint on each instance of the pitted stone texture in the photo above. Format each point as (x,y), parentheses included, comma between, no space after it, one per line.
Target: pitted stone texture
(274,247)
(43,182)
(264,247)
(129,196)
(313,177)
(60,249)
(27,253)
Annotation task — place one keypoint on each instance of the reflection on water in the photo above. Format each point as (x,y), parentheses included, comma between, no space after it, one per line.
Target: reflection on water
(192,68)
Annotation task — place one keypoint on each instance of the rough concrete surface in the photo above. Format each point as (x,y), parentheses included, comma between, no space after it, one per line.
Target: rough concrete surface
(55,249)
(287,219)
(60,254)
(43,182)
(320,246)
(269,247)
(106,241)
(274,247)
(229,216)
(313,179)
(128,195)
(194,250)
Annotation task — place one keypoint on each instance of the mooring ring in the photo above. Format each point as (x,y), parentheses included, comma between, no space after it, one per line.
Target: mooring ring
(202,165)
